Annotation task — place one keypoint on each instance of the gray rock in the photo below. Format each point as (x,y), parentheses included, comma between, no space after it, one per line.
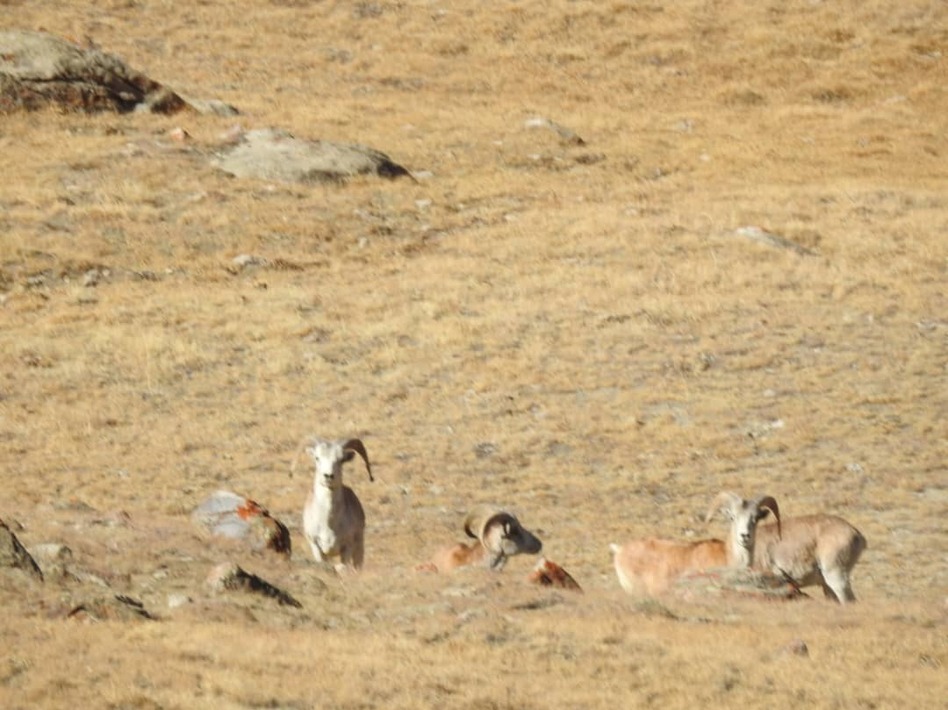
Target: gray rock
(178,600)
(797,647)
(51,552)
(52,558)
(116,607)
(568,135)
(275,154)
(228,514)
(38,70)
(229,576)
(771,239)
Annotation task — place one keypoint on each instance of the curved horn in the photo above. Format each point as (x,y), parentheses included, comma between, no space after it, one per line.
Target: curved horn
(477,520)
(770,504)
(724,499)
(357,446)
(299,450)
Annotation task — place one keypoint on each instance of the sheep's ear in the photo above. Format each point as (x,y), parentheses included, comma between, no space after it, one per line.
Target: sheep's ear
(348,456)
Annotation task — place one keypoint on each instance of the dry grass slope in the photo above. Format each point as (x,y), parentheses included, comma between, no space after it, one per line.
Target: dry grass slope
(560,326)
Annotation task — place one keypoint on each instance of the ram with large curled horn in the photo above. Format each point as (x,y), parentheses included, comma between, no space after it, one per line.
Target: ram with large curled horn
(497,535)
(333,518)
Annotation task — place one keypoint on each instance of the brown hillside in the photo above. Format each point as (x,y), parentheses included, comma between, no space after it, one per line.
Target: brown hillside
(581,326)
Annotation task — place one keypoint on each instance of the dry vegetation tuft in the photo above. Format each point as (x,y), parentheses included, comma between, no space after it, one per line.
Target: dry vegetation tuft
(561,326)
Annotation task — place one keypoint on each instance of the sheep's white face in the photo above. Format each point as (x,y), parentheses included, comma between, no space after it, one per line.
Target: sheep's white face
(328,456)
(745,528)
(744,517)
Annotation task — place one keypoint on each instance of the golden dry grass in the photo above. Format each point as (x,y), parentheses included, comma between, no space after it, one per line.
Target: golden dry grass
(574,330)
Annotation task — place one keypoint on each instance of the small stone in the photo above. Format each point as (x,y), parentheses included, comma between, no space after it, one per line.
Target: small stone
(242,261)
(179,135)
(485,450)
(178,600)
(91,278)
(568,135)
(797,647)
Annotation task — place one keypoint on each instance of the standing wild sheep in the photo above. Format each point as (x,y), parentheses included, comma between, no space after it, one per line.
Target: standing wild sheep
(333,519)
(812,549)
(808,550)
(497,534)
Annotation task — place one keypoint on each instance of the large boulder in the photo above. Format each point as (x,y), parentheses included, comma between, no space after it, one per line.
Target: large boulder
(227,514)
(275,154)
(38,70)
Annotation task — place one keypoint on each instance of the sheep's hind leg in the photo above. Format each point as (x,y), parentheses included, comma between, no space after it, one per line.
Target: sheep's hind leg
(836,586)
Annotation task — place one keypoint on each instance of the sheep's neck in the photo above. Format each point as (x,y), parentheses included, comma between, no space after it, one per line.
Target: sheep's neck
(327,498)
(739,556)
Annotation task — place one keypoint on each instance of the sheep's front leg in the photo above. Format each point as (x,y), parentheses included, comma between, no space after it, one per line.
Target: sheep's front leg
(317,553)
(352,554)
